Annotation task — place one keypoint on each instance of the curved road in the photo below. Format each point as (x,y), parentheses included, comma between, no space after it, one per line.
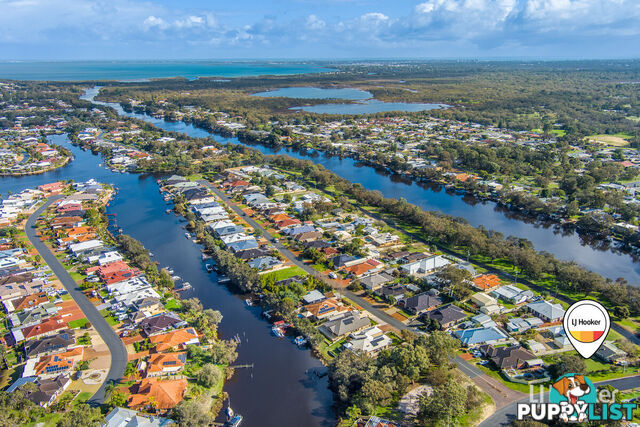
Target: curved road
(115,345)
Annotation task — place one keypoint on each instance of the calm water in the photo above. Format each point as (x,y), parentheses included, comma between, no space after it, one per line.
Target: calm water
(317,93)
(141,70)
(281,389)
(369,106)
(365,104)
(567,246)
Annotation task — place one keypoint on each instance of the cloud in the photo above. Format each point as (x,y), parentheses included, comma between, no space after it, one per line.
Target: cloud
(315,23)
(333,26)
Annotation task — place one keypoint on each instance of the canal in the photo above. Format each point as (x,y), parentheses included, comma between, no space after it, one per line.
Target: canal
(549,237)
(282,388)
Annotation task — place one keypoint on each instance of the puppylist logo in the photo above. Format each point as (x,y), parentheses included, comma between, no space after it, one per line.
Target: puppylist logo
(574,397)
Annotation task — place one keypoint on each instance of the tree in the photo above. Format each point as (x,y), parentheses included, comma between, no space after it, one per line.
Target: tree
(621,312)
(440,346)
(118,399)
(223,352)
(208,375)
(190,413)
(445,403)
(568,363)
(81,415)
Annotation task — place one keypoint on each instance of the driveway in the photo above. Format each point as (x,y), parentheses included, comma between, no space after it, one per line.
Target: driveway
(111,339)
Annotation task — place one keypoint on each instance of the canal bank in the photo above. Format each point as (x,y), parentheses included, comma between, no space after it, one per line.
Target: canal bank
(550,238)
(282,387)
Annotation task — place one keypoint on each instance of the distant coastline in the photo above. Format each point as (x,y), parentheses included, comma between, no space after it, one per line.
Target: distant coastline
(142,70)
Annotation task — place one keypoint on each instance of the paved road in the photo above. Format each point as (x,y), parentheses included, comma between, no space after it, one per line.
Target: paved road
(115,345)
(506,415)
(501,394)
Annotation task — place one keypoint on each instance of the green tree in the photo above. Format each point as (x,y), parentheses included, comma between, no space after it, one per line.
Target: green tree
(208,375)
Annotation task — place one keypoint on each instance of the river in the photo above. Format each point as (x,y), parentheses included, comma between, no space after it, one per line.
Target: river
(281,389)
(549,237)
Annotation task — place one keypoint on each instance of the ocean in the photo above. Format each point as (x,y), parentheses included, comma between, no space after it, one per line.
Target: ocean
(143,70)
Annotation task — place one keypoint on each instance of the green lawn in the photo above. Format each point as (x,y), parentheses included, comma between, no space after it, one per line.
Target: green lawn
(83,397)
(524,388)
(78,323)
(77,276)
(66,297)
(172,305)
(109,317)
(285,273)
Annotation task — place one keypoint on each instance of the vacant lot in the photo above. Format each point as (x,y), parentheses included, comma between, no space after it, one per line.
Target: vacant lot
(612,140)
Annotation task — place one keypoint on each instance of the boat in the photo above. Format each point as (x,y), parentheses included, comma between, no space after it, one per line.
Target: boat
(185,286)
(223,279)
(279,328)
(235,421)
(277,332)
(175,277)
(169,269)
(168,211)
(248,302)
(187,235)
(300,341)
(209,268)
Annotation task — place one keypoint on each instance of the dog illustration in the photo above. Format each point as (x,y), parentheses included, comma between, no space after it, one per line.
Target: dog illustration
(573,388)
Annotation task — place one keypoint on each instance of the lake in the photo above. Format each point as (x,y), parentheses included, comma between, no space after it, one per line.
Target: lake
(364,103)
(563,244)
(282,388)
(144,70)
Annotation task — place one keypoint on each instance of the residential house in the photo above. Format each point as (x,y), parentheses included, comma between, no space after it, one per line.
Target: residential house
(515,357)
(350,322)
(265,263)
(370,341)
(58,343)
(519,325)
(425,265)
(479,336)
(376,281)
(165,363)
(313,296)
(610,353)
(45,328)
(27,302)
(511,294)
(123,417)
(421,303)
(161,323)
(447,315)
(324,309)
(486,282)
(47,390)
(161,395)
(546,310)
(179,338)
(55,364)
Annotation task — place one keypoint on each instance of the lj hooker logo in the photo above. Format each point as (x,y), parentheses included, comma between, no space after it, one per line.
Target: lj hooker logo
(574,398)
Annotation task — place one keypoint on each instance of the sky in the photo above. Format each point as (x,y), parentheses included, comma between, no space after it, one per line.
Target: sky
(318,29)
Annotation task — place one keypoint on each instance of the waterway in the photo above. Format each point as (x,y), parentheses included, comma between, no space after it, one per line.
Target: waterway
(545,237)
(364,102)
(282,388)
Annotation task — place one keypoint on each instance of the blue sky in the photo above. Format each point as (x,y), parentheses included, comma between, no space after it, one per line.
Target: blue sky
(344,29)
